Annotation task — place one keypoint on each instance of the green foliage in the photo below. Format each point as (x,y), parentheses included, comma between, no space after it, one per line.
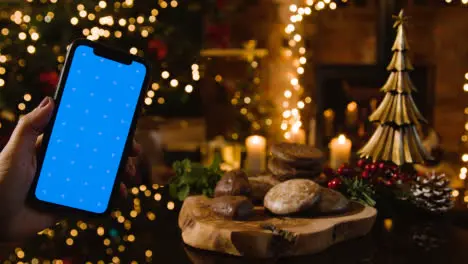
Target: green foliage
(193,178)
(358,190)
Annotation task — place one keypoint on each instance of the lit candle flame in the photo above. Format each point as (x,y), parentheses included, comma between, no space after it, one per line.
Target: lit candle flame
(342,139)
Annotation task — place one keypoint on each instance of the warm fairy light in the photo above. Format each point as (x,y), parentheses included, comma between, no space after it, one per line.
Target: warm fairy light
(293,8)
(148,101)
(465,157)
(69,241)
(100,231)
(300,105)
(455,193)
(170,205)
(134,51)
(22,35)
(300,70)
(73,232)
(161,100)
(289,28)
(2,82)
(27,97)
(148,253)
(294,81)
(102,4)
(320,5)
(332,6)
(188,88)
(287,94)
(297,37)
(165,74)
(150,94)
(462,176)
(174,83)
(34,36)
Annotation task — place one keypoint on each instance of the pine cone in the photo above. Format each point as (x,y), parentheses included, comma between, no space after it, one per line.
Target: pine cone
(432,193)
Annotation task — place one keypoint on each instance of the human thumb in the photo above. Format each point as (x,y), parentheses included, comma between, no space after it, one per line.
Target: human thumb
(30,127)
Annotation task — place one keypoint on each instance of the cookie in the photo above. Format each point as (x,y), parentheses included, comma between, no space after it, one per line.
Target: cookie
(283,171)
(232,207)
(260,186)
(233,183)
(298,155)
(331,201)
(292,197)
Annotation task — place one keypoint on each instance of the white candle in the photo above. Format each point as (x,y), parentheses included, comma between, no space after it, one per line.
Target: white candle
(256,154)
(351,114)
(340,151)
(232,155)
(297,135)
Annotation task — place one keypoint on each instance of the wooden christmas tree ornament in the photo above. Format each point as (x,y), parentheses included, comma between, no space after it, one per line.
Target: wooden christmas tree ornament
(396,139)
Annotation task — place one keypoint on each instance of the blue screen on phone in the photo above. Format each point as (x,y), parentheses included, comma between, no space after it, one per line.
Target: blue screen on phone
(88,137)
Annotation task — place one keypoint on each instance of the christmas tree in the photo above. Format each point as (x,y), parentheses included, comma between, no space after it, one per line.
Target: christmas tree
(396,139)
(253,115)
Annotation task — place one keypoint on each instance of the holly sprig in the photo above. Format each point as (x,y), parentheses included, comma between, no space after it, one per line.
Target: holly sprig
(358,190)
(193,178)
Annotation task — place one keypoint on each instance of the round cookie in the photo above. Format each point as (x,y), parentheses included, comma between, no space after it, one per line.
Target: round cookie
(283,171)
(331,201)
(292,196)
(298,155)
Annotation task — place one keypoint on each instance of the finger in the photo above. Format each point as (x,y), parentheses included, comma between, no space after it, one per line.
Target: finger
(39,141)
(136,149)
(31,126)
(130,168)
(123,190)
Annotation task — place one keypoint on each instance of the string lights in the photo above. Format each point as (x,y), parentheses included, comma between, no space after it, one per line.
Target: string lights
(93,20)
(464,138)
(296,54)
(116,237)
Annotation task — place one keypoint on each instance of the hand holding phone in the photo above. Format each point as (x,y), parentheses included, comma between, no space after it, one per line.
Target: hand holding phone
(90,133)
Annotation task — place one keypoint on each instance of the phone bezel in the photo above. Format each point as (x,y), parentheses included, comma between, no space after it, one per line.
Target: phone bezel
(109,53)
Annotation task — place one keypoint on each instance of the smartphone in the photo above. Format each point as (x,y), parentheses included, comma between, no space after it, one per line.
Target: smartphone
(85,145)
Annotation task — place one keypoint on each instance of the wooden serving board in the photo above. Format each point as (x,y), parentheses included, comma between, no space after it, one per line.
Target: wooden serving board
(203,229)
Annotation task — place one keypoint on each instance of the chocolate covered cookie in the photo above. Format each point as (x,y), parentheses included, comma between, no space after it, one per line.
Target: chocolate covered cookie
(283,171)
(298,155)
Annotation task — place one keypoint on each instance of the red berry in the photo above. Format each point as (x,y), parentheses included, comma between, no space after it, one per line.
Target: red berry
(388,183)
(365,174)
(340,170)
(367,167)
(373,167)
(381,165)
(361,163)
(334,183)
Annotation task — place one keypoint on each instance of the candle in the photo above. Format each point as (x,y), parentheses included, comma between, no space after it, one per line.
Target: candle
(232,155)
(329,117)
(351,114)
(312,133)
(297,135)
(256,154)
(340,151)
